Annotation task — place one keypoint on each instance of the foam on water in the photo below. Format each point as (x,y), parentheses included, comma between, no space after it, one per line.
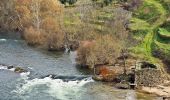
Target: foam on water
(23,74)
(3,67)
(56,88)
(73,55)
(3,40)
(131,95)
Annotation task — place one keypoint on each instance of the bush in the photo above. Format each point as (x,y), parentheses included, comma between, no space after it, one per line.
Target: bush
(70,2)
(103,2)
(54,35)
(163,33)
(55,41)
(107,2)
(33,37)
(103,51)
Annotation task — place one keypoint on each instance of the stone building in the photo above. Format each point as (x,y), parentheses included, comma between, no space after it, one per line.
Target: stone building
(147,74)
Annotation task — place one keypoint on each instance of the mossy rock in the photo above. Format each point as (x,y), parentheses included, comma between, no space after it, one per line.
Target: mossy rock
(163,33)
(19,70)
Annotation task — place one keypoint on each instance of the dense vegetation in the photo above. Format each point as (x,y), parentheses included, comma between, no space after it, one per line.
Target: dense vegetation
(102,28)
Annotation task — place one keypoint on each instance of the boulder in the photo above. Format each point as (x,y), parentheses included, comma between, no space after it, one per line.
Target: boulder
(98,78)
(122,86)
(165,98)
(105,73)
(10,67)
(19,70)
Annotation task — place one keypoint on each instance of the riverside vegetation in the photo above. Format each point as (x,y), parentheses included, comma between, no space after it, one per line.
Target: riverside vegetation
(107,34)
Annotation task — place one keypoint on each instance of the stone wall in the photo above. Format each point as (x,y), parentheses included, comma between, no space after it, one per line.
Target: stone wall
(148,77)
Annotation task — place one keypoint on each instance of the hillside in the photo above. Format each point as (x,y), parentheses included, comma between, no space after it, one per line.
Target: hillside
(148,21)
(153,17)
(123,42)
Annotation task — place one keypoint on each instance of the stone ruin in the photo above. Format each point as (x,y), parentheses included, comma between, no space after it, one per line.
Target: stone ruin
(147,74)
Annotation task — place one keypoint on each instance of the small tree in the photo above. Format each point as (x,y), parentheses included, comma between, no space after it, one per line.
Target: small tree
(104,50)
(70,2)
(6,14)
(42,17)
(119,25)
(107,2)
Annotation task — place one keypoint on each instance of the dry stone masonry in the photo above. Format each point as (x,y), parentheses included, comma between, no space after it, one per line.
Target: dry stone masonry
(148,75)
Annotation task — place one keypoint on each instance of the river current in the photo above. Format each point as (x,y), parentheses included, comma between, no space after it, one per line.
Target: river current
(51,76)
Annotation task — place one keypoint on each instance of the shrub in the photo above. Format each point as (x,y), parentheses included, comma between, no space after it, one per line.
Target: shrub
(54,35)
(33,37)
(55,41)
(70,2)
(40,20)
(163,33)
(107,2)
(103,51)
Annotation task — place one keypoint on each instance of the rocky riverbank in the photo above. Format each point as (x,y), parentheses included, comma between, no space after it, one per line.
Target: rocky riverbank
(140,75)
(162,90)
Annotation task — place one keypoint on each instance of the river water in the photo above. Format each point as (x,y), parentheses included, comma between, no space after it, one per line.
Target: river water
(51,76)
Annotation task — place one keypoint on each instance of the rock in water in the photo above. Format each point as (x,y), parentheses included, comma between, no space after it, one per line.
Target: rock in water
(19,70)
(10,67)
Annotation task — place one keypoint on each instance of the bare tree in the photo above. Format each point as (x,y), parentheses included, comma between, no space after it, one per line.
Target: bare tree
(118,26)
(35,9)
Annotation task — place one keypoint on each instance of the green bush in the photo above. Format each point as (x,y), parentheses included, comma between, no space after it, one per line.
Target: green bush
(163,33)
(70,2)
(107,2)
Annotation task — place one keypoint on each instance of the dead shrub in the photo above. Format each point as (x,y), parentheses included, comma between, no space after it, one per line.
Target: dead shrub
(103,51)
(55,41)
(54,35)
(33,37)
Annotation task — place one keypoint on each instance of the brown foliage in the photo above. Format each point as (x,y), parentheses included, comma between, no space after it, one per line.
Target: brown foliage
(33,37)
(103,51)
(24,15)
(50,24)
(55,37)
(40,20)
(6,13)
(55,41)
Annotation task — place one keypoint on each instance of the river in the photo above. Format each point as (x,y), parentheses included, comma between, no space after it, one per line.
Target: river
(51,76)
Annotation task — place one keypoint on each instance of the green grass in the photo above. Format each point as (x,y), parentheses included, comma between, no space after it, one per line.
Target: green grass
(150,11)
(146,47)
(164,34)
(139,24)
(144,25)
(163,46)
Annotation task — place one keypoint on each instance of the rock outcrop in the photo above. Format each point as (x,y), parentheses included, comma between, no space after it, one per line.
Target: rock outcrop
(107,73)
